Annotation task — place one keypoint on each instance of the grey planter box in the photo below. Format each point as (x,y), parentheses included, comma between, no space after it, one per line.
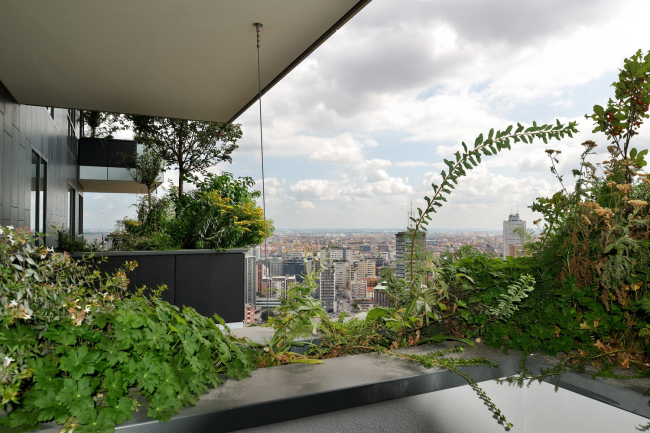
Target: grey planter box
(209,281)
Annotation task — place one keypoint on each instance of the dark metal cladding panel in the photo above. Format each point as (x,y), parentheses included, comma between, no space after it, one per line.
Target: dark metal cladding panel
(7,182)
(4,95)
(112,265)
(16,158)
(93,152)
(23,124)
(227,295)
(15,115)
(2,184)
(29,122)
(153,271)
(193,282)
(23,182)
(118,150)
(8,114)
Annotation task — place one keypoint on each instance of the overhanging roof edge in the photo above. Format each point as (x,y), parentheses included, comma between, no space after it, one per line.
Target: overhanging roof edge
(344,19)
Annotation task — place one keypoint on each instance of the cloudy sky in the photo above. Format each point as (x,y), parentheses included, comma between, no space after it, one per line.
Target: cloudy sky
(358,131)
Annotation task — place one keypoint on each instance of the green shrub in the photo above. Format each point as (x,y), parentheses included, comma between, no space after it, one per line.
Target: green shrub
(71,245)
(219,214)
(77,349)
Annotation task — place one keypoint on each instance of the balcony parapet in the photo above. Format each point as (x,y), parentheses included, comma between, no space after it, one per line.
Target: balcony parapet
(102,166)
(280,394)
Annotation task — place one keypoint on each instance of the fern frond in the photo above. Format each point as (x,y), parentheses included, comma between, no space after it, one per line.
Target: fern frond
(516,293)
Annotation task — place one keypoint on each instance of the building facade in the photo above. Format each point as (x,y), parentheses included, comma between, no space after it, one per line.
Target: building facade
(403,242)
(510,238)
(342,275)
(359,289)
(38,167)
(295,266)
(326,289)
(250,279)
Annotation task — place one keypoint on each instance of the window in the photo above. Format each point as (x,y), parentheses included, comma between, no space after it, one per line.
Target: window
(71,212)
(50,111)
(37,215)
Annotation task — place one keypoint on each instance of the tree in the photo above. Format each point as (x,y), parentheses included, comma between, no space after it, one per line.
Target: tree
(99,124)
(191,146)
(145,169)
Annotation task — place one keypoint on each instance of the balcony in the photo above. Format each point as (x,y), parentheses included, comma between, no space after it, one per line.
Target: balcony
(102,166)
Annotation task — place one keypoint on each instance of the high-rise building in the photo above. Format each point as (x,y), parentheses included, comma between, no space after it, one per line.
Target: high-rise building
(326,289)
(275,266)
(363,269)
(249,315)
(250,279)
(295,266)
(403,248)
(509,235)
(280,285)
(334,253)
(294,255)
(262,275)
(342,275)
(312,265)
(359,289)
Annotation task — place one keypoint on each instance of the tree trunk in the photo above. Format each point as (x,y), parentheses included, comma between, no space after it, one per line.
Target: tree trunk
(181,175)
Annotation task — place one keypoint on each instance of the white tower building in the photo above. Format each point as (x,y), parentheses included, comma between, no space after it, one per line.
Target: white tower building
(509,235)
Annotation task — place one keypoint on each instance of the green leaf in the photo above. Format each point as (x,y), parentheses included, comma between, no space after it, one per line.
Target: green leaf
(19,338)
(51,409)
(79,362)
(440,338)
(115,386)
(45,372)
(162,406)
(121,412)
(76,396)
(147,377)
(376,313)
(97,422)
(478,141)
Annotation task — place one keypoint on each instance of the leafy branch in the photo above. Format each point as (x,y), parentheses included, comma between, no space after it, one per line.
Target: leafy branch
(433,359)
(517,292)
(470,158)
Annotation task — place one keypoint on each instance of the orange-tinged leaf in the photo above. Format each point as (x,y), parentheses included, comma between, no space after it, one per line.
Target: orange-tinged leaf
(626,362)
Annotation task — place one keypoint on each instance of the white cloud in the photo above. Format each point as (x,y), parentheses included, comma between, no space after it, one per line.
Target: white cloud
(318,189)
(305,205)
(412,164)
